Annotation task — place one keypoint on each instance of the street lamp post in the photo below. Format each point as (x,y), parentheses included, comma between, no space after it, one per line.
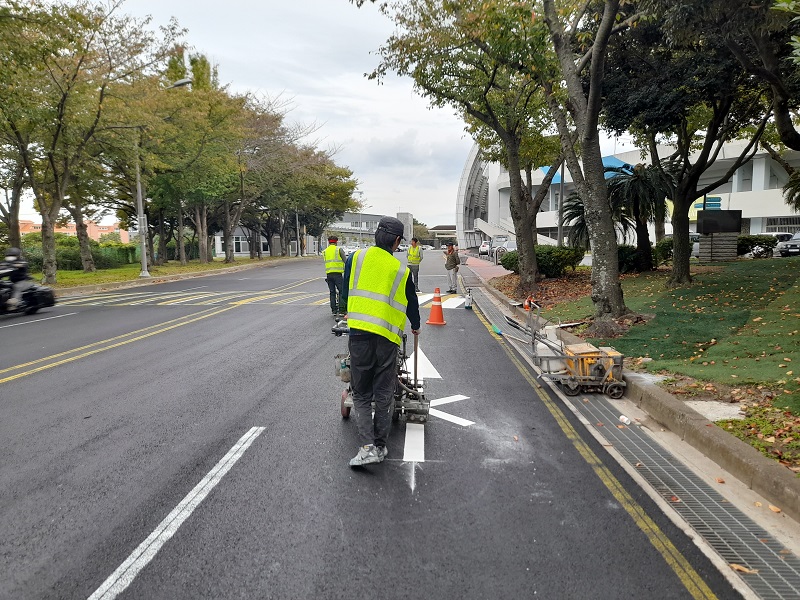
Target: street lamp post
(142,225)
(141,217)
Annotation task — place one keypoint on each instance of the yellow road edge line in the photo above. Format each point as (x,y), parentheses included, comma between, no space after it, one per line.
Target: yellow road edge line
(175,323)
(672,556)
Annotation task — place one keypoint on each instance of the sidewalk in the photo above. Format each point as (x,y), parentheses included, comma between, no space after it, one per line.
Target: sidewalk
(759,473)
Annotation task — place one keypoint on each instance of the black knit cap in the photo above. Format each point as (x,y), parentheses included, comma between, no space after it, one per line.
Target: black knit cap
(391,226)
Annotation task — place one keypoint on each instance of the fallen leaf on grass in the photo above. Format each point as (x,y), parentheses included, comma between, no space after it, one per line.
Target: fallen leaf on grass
(774,509)
(742,569)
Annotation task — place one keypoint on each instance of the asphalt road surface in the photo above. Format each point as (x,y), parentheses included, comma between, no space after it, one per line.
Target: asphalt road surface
(184,440)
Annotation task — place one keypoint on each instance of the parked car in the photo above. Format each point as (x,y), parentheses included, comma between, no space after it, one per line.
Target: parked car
(497,240)
(349,249)
(694,238)
(790,247)
(502,249)
(781,236)
(402,248)
(484,248)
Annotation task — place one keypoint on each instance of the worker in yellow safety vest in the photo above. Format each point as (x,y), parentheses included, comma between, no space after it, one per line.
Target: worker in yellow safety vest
(414,260)
(334,268)
(378,296)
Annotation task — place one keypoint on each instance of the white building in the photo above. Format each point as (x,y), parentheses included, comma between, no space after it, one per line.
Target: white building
(756,188)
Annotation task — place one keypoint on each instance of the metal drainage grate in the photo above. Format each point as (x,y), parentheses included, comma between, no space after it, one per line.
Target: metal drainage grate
(732,534)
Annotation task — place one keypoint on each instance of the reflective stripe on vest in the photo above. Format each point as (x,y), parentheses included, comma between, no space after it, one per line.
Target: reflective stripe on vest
(333,260)
(376,300)
(414,257)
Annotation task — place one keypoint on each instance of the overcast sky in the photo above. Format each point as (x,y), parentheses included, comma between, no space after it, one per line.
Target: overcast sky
(405,156)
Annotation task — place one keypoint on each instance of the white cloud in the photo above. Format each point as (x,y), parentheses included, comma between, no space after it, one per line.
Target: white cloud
(315,53)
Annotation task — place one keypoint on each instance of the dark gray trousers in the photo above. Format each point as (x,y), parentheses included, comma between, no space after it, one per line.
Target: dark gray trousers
(335,282)
(373,370)
(414,270)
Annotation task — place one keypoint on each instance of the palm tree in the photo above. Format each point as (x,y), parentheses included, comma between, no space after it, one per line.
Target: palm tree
(573,217)
(641,190)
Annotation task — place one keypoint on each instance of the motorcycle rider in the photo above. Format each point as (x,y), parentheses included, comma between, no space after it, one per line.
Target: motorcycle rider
(18,276)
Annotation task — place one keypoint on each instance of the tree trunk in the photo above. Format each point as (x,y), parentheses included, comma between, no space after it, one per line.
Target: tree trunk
(87,260)
(162,239)
(681,249)
(200,229)
(181,246)
(528,271)
(643,249)
(11,212)
(49,267)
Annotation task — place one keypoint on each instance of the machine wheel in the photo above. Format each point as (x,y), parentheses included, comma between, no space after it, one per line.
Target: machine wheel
(345,409)
(31,310)
(615,390)
(571,387)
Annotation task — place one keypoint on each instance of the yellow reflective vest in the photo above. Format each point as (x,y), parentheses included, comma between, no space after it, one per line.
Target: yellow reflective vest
(333,260)
(376,300)
(414,255)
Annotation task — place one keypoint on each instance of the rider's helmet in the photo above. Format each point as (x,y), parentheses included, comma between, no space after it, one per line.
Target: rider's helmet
(13,254)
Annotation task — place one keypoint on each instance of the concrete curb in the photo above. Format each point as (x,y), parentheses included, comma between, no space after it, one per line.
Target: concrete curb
(102,287)
(763,475)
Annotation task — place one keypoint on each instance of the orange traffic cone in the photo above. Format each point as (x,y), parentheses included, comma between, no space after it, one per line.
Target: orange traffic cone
(436,318)
(527,304)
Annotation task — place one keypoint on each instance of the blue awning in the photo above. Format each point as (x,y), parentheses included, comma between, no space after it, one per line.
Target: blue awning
(608,161)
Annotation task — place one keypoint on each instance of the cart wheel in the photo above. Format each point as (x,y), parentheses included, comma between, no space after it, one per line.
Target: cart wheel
(571,388)
(345,409)
(615,390)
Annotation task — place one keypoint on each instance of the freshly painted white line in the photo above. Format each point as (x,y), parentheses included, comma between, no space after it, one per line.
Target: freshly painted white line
(414,450)
(425,369)
(453,302)
(37,320)
(423,298)
(139,558)
(448,417)
(448,400)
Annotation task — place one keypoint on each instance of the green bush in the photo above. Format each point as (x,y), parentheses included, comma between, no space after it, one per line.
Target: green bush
(510,261)
(627,259)
(554,260)
(662,251)
(761,246)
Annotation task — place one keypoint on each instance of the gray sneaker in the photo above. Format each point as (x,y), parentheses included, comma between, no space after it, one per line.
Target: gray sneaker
(382,452)
(367,455)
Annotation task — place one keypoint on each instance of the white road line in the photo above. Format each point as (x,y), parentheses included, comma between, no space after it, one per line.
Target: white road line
(414,450)
(139,558)
(37,320)
(425,369)
(448,400)
(454,302)
(448,417)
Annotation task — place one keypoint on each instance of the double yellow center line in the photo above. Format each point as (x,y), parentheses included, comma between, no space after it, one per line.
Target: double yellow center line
(54,360)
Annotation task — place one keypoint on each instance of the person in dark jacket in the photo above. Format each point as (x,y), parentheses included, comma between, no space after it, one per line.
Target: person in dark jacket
(18,275)
(379,296)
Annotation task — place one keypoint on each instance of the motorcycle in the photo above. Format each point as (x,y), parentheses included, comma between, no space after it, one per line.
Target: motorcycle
(33,298)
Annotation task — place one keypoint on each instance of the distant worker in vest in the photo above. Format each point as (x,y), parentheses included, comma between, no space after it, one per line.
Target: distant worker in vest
(334,268)
(378,296)
(414,260)
(451,262)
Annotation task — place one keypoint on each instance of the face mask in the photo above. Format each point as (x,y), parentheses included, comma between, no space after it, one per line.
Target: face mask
(11,258)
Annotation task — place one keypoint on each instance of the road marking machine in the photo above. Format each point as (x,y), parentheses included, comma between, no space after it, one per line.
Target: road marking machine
(409,402)
(576,367)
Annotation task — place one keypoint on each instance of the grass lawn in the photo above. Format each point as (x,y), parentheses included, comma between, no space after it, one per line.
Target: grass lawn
(733,335)
(65,279)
